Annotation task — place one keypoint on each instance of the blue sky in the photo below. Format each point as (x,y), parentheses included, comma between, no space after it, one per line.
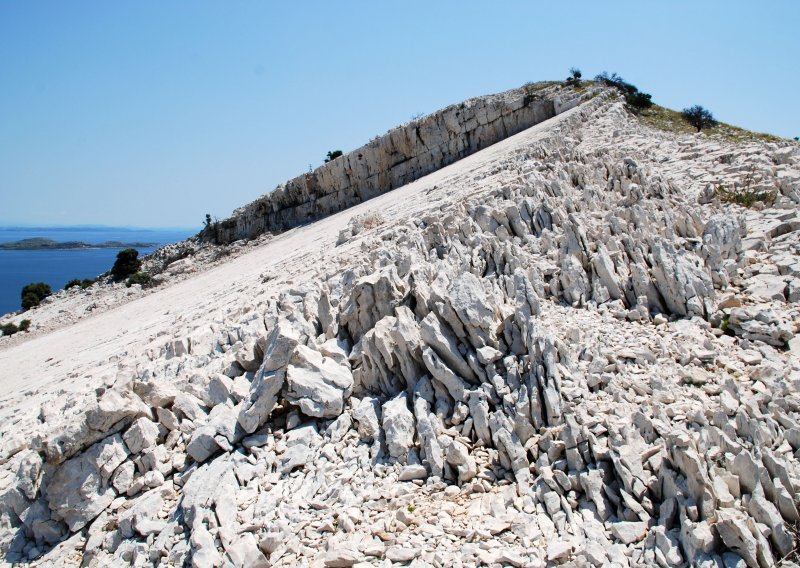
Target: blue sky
(155,113)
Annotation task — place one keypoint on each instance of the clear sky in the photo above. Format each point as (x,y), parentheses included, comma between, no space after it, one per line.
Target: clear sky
(155,113)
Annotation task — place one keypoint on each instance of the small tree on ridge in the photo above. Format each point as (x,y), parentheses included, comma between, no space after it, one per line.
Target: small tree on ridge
(699,117)
(33,294)
(127,263)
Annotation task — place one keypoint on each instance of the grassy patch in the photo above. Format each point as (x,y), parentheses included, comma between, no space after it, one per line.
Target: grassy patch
(540,86)
(670,120)
(746,193)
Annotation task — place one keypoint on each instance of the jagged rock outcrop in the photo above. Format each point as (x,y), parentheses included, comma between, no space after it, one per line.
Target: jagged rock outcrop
(560,357)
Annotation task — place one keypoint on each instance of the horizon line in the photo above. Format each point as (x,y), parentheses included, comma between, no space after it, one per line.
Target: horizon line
(85,226)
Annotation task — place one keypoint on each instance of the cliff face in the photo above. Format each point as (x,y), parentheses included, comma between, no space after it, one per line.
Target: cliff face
(400,156)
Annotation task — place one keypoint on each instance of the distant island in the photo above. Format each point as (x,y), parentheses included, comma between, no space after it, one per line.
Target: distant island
(39,243)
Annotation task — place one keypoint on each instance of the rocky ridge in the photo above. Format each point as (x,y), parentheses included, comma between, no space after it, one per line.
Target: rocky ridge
(569,354)
(402,155)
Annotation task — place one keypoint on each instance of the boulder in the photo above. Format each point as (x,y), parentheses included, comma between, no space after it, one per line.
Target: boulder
(398,426)
(367,414)
(142,434)
(80,490)
(317,384)
(300,443)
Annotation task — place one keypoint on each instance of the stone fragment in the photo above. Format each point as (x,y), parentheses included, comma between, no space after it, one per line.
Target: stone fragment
(341,557)
(261,399)
(558,549)
(372,298)
(244,553)
(442,341)
(300,443)
(204,551)
(629,532)
(398,426)
(766,513)
(737,537)
(411,472)
(366,414)
(202,444)
(142,434)
(401,554)
(79,489)
(318,385)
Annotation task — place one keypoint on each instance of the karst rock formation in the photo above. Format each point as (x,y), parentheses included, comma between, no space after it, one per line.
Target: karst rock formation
(522,331)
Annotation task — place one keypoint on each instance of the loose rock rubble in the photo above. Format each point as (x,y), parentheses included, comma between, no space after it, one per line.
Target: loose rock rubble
(568,356)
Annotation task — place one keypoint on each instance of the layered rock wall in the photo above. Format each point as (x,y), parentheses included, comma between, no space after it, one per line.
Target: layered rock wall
(400,156)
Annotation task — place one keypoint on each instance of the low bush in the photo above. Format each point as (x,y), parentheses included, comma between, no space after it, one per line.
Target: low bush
(747,193)
(127,264)
(617,82)
(141,278)
(639,101)
(77,282)
(24,325)
(635,100)
(9,329)
(574,79)
(332,155)
(699,117)
(33,294)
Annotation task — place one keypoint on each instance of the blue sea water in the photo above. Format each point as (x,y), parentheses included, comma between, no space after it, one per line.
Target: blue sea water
(57,267)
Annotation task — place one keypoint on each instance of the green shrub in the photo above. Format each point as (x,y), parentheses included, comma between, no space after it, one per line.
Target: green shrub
(699,117)
(83,284)
(33,294)
(9,329)
(574,79)
(634,98)
(141,278)
(639,101)
(617,82)
(746,194)
(127,264)
(24,325)
(332,155)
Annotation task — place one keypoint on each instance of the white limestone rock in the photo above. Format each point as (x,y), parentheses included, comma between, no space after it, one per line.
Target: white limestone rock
(142,434)
(300,443)
(373,297)
(79,489)
(316,384)
(367,414)
(629,532)
(398,426)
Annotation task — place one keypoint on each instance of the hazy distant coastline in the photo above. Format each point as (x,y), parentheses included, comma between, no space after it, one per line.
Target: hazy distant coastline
(39,243)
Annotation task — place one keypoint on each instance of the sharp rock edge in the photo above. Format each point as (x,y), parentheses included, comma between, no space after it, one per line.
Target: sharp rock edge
(573,355)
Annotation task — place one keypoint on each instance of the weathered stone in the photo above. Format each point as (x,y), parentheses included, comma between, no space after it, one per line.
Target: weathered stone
(316,384)
(411,472)
(142,434)
(366,414)
(79,489)
(398,426)
(629,532)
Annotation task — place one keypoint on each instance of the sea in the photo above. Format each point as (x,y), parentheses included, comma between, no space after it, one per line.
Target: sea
(57,267)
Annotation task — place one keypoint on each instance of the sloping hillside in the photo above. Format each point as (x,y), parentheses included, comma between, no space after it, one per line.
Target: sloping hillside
(561,348)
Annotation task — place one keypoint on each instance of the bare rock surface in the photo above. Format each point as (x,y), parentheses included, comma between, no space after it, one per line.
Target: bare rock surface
(559,350)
